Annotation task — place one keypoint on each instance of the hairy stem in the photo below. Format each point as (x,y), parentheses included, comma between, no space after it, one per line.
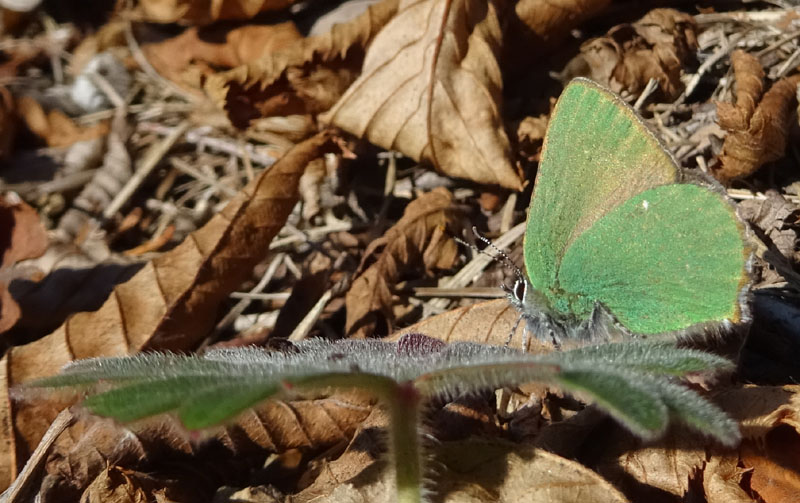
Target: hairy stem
(404,444)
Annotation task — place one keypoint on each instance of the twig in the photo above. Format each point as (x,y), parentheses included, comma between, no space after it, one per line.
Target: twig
(151,159)
(184,167)
(17,489)
(198,136)
(304,327)
(240,306)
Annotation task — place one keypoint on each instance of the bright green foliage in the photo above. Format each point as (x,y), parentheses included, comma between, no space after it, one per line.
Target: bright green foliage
(610,223)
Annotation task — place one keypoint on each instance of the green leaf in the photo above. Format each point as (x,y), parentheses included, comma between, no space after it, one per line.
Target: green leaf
(632,402)
(657,357)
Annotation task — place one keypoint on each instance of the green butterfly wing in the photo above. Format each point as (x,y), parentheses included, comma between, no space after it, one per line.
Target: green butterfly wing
(610,223)
(667,259)
(597,154)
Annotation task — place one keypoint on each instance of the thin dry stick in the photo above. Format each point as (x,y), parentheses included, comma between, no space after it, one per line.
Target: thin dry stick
(649,89)
(198,136)
(16,491)
(184,167)
(245,302)
(304,327)
(151,159)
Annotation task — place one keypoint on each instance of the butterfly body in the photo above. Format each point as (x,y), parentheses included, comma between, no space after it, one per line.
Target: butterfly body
(620,240)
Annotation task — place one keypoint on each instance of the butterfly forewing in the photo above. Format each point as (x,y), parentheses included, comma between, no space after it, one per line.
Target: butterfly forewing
(597,154)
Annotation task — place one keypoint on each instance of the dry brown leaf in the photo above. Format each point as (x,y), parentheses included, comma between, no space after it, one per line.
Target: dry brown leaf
(91,444)
(757,127)
(760,409)
(170,304)
(657,46)
(203,11)
(22,236)
(721,480)
(431,88)
(668,465)
(774,217)
(480,471)
(542,25)
(770,423)
(308,77)
(55,127)
(364,450)
(490,322)
(775,472)
(472,471)
(201,52)
(8,122)
(417,240)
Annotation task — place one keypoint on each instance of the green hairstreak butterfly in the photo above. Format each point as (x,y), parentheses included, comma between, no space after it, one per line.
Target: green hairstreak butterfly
(619,238)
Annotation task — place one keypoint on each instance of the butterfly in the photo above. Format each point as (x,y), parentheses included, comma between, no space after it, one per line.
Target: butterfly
(620,240)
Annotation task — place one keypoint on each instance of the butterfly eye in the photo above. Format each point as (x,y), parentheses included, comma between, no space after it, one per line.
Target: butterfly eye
(520,289)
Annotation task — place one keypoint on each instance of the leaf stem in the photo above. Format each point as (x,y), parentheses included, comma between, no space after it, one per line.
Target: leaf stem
(404,446)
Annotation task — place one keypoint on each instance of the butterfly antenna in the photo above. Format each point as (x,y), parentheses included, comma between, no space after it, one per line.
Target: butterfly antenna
(504,258)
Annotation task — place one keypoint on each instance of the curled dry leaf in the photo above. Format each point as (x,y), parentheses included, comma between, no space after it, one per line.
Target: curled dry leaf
(419,239)
(203,11)
(774,217)
(201,52)
(54,127)
(757,126)
(22,236)
(431,88)
(169,304)
(658,46)
(305,78)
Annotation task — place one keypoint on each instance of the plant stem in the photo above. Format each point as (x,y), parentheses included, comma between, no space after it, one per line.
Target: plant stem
(404,446)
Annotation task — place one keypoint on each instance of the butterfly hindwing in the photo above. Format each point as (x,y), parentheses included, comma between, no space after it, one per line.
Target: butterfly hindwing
(667,259)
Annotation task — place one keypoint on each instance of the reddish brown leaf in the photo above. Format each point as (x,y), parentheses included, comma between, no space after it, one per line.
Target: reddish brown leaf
(775,475)
(204,11)
(418,240)
(656,47)
(757,127)
(22,236)
(198,52)
(170,304)
(54,127)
